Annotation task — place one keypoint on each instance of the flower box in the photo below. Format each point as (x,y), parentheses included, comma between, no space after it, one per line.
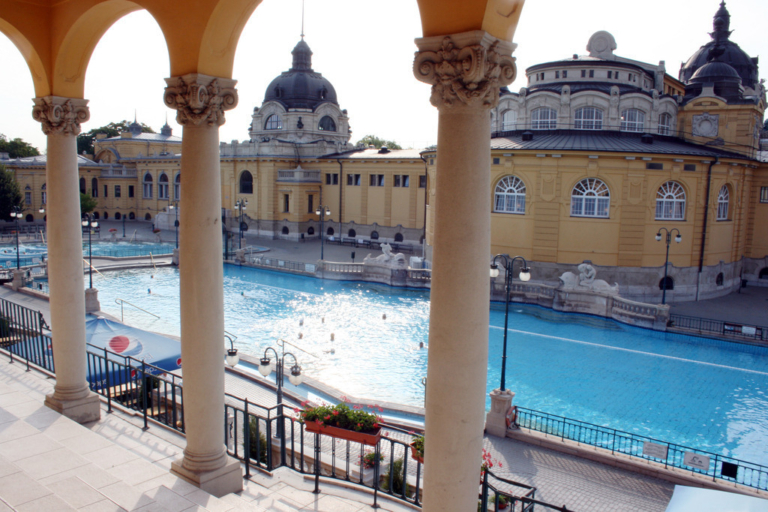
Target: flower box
(415,455)
(113,230)
(342,433)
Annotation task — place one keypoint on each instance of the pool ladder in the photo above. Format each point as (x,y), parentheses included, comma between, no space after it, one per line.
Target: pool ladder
(123,301)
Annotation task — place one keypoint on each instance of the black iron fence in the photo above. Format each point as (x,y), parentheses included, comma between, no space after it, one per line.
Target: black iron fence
(718,327)
(718,467)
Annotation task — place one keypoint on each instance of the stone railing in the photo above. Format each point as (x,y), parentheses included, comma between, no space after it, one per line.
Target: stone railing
(298,176)
(414,278)
(118,172)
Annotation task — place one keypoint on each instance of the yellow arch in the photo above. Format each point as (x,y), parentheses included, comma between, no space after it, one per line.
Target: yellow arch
(444,17)
(219,44)
(34,62)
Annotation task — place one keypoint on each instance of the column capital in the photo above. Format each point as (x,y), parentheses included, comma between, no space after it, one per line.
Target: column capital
(200,98)
(60,115)
(466,69)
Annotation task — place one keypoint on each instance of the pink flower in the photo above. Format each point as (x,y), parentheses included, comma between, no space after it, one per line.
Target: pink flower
(335,413)
(319,422)
(360,425)
(304,403)
(375,425)
(381,409)
(386,434)
(356,406)
(328,417)
(344,399)
(295,409)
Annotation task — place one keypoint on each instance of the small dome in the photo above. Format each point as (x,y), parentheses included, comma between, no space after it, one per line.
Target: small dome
(300,86)
(715,71)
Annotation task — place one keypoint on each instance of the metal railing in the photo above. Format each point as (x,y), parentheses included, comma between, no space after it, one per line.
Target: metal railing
(716,466)
(718,327)
(123,301)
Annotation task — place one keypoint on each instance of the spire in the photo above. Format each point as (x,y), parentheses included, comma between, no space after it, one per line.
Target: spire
(302,20)
(721,24)
(166,130)
(302,57)
(135,127)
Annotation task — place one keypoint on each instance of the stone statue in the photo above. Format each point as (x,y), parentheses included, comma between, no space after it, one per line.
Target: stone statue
(388,258)
(586,281)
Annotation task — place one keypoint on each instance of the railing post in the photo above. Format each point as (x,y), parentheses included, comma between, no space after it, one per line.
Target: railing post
(484,493)
(247,442)
(106,381)
(376,475)
(144,392)
(317,463)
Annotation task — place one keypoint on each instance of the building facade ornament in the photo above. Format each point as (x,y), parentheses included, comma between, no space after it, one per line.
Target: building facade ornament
(200,98)
(465,69)
(705,125)
(60,115)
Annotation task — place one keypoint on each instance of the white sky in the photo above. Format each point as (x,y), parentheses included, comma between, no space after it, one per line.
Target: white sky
(365,48)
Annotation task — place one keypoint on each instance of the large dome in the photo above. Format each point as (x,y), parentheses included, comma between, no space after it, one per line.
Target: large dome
(724,50)
(300,86)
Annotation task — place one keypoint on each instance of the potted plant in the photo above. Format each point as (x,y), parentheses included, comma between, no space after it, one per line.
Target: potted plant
(344,422)
(368,464)
(113,230)
(156,230)
(417,448)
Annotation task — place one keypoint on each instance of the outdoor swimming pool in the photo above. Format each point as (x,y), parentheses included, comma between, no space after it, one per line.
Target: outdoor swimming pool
(697,392)
(31,254)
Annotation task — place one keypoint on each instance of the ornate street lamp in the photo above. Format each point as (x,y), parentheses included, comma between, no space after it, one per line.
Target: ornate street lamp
(266,367)
(240,204)
(232,357)
(174,206)
(16,214)
(90,223)
(323,212)
(525,275)
(678,239)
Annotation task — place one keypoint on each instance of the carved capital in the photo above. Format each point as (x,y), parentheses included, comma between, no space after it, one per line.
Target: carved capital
(200,98)
(60,115)
(465,70)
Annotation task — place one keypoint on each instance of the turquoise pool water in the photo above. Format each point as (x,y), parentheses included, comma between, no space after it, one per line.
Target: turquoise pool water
(697,392)
(30,254)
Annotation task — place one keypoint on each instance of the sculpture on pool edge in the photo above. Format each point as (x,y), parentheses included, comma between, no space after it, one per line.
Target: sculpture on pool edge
(586,281)
(387,259)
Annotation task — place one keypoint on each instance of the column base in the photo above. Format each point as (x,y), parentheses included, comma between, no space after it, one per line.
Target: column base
(81,410)
(496,419)
(18,280)
(175,258)
(92,300)
(218,482)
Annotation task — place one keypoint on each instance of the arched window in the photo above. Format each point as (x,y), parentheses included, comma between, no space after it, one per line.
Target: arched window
(722,203)
(162,186)
(399,237)
(273,123)
(590,198)
(632,120)
(326,124)
(106,215)
(177,187)
(246,182)
(131,216)
(44,194)
(82,185)
(588,118)
(510,195)
(670,202)
(310,230)
(374,235)
(719,279)
(508,120)
(147,217)
(96,215)
(285,230)
(665,124)
(147,187)
(118,216)
(29,218)
(667,283)
(94,187)
(763,273)
(329,231)
(544,119)
(351,233)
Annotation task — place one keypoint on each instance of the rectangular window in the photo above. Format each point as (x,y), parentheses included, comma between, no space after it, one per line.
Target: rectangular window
(106,191)
(332,179)
(583,73)
(286,203)
(328,179)
(377,180)
(689,167)
(117,190)
(557,74)
(423,181)
(496,161)
(130,190)
(654,166)
(310,203)
(565,74)
(610,74)
(764,194)
(381,180)
(27,198)
(431,161)
(44,197)
(629,77)
(397,180)
(402,180)
(353,180)
(95,191)
(147,190)
(591,73)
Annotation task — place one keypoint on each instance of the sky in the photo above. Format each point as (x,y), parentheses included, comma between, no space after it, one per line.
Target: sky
(365,48)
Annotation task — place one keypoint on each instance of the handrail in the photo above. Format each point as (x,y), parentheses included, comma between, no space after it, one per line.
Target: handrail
(123,301)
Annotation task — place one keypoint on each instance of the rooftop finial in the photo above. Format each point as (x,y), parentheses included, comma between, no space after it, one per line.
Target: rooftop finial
(302,20)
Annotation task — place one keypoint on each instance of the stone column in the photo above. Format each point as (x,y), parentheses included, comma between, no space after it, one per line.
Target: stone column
(466,71)
(61,118)
(201,101)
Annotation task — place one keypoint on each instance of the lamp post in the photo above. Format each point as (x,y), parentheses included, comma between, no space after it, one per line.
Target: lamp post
(124,226)
(232,357)
(90,223)
(240,204)
(678,239)
(16,214)
(265,368)
(175,206)
(525,275)
(322,211)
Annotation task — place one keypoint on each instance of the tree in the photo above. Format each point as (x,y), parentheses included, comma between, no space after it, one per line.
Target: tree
(16,148)
(377,142)
(85,140)
(10,195)
(87,203)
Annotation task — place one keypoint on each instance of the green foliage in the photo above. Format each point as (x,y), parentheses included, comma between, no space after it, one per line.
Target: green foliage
(258,452)
(342,416)
(5,327)
(369,459)
(377,142)
(85,140)
(397,473)
(10,195)
(418,444)
(87,204)
(16,148)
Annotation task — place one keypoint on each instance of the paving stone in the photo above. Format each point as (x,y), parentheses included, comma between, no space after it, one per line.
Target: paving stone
(75,492)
